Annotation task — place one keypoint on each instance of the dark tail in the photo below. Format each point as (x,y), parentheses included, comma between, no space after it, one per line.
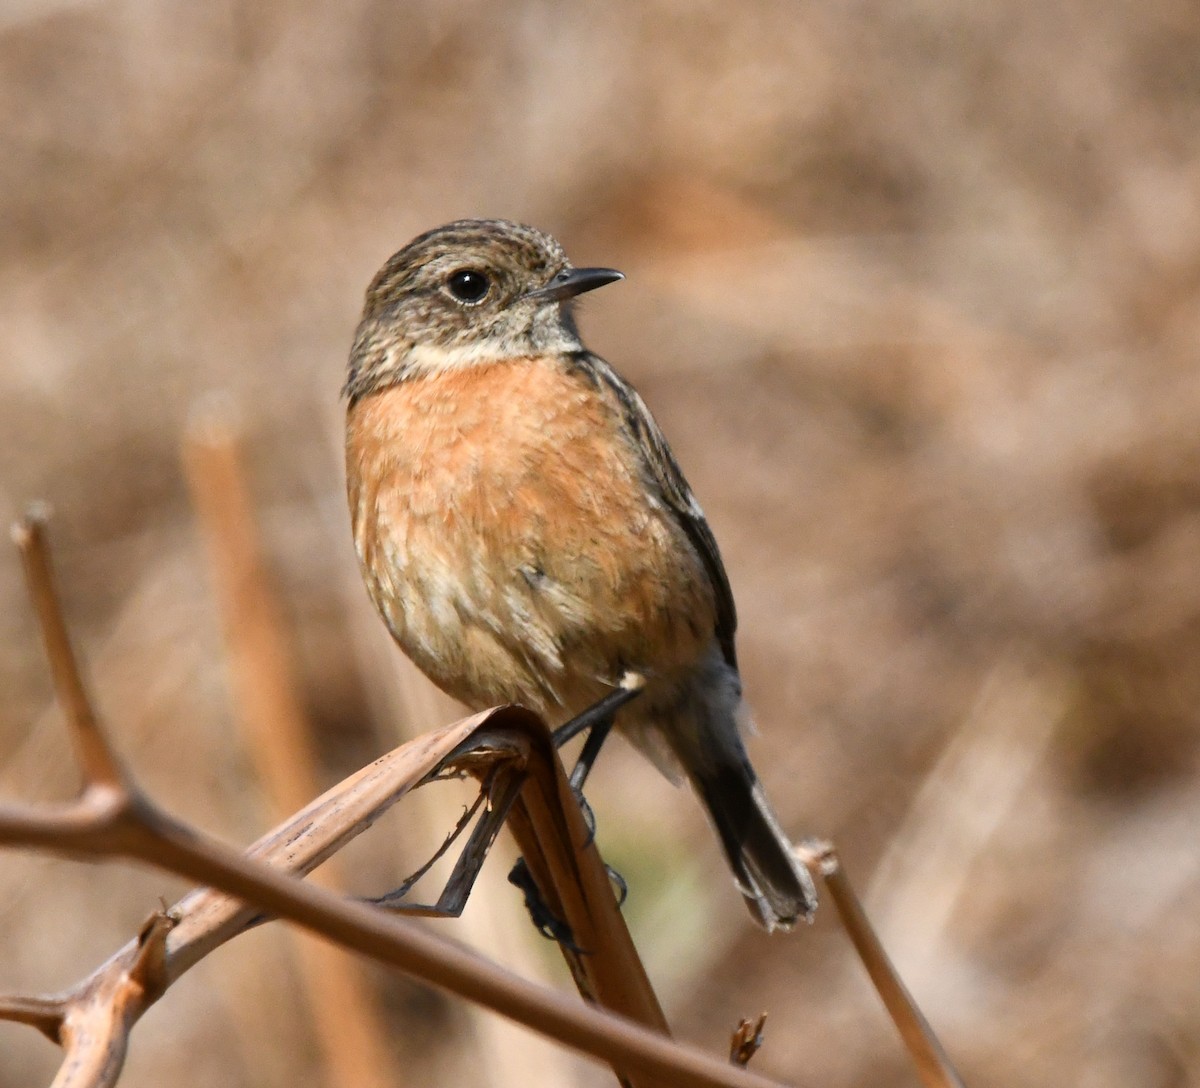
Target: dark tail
(702,729)
(777,886)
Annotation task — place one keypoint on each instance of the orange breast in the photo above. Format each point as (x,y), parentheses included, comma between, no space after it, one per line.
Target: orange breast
(507,536)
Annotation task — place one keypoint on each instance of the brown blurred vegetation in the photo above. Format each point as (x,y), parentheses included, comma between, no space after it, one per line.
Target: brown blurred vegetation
(914,291)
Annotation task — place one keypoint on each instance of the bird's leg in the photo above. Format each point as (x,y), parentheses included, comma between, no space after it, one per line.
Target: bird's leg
(598,719)
(591,749)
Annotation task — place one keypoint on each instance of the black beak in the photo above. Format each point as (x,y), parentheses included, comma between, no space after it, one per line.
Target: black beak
(574,281)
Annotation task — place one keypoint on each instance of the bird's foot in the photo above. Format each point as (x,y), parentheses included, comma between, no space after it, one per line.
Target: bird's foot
(544,920)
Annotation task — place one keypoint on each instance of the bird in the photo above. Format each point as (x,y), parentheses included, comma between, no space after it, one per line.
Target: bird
(527,535)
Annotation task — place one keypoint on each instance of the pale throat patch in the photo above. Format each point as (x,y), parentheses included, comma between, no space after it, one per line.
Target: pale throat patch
(422,359)
(428,358)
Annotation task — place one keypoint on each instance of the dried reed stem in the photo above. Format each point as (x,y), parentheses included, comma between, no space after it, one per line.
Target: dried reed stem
(348,1023)
(932,1063)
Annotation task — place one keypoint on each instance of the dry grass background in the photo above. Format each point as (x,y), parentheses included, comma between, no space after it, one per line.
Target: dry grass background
(913,289)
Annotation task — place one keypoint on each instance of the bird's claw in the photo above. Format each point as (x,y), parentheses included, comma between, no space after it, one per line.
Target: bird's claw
(550,927)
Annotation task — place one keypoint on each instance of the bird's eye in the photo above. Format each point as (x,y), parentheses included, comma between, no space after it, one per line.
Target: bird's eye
(468,285)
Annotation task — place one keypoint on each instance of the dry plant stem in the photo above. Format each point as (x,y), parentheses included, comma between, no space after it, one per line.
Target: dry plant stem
(113,818)
(345,1018)
(747,1040)
(43,1013)
(573,884)
(932,1063)
(260,658)
(133,828)
(97,763)
(103,1008)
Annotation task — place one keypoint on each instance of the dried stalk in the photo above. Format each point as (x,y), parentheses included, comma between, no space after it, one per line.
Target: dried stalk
(346,1019)
(96,761)
(113,818)
(747,1040)
(932,1063)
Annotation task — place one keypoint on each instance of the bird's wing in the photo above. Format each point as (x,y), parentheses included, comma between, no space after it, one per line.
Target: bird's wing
(647,439)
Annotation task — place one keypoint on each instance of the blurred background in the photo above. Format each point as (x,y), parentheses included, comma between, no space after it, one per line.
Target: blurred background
(913,290)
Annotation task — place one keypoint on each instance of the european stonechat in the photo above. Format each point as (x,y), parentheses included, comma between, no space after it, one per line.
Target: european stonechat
(526,533)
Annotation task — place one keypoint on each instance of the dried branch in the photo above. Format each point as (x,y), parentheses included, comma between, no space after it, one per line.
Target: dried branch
(98,764)
(43,1013)
(112,818)
(932,1063)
